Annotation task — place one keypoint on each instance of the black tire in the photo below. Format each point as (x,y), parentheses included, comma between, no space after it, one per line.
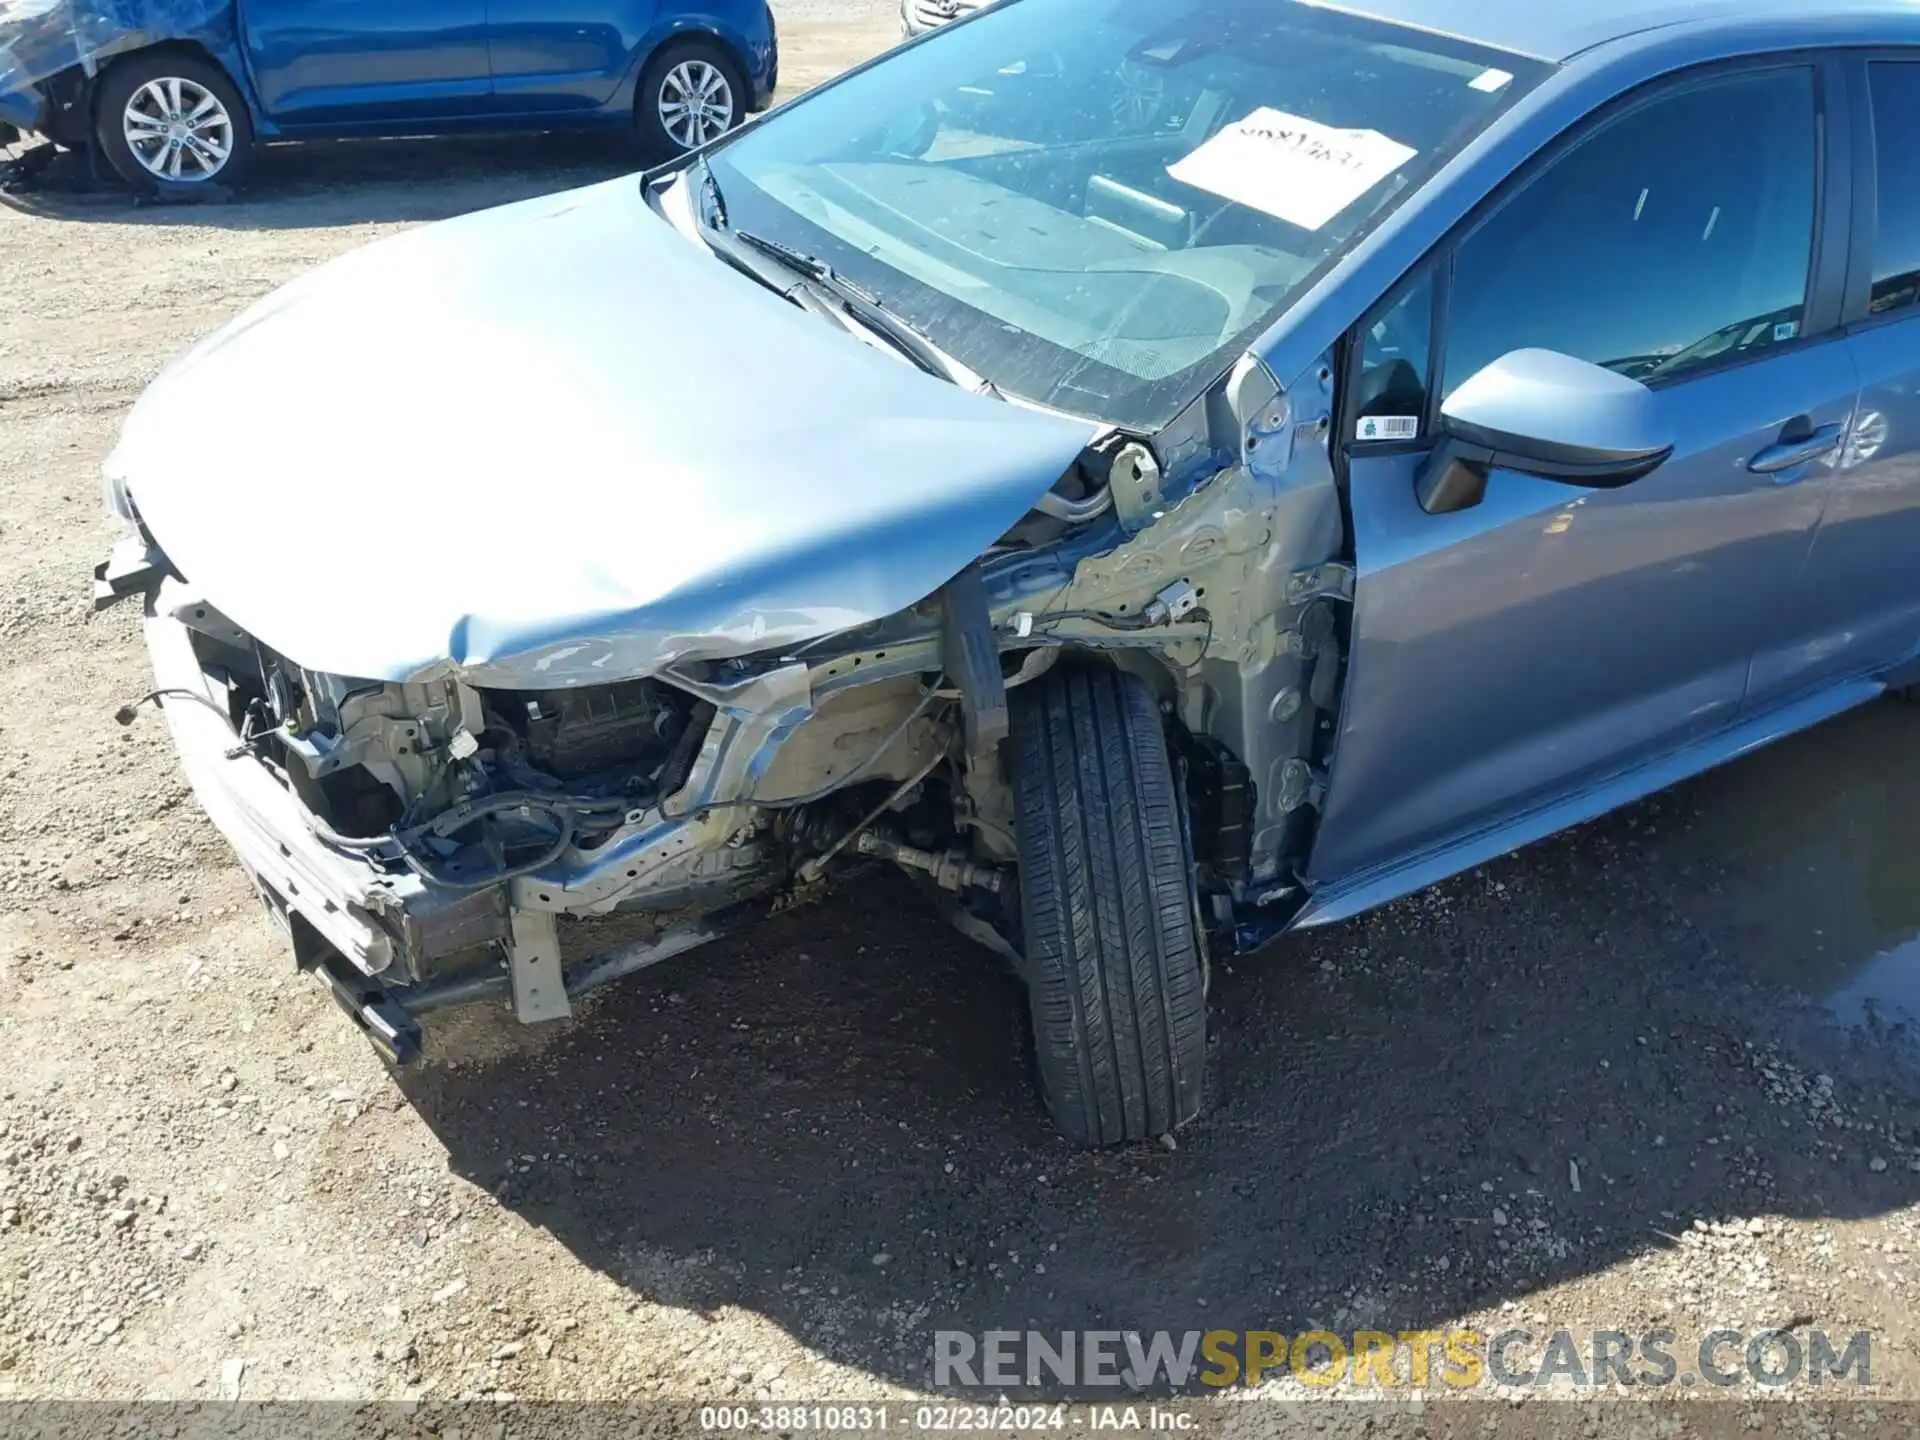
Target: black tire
(654,134)
(1115,975)
(129,77)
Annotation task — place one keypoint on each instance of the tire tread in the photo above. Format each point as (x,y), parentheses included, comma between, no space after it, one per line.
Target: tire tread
(1116,983)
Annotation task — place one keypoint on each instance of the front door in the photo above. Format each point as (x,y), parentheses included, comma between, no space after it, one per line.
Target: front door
(1554,636)
(1857,604)
(373,62)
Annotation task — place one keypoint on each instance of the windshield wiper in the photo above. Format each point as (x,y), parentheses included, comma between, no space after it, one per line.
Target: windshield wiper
(811,266)
(870,311)
(711,205)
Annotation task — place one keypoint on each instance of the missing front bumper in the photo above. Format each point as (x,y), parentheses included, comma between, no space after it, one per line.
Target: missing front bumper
(388,927)
(389,946)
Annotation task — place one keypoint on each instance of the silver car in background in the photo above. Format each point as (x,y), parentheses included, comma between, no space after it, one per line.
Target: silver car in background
(919,16)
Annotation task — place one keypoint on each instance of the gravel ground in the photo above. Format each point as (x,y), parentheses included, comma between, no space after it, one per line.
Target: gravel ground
(1656,1073)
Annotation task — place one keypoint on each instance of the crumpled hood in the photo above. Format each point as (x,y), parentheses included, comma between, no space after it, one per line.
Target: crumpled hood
(556,443)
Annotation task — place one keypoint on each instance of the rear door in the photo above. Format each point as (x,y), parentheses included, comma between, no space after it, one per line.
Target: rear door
(368,62)
(1525,651)
(1857,606)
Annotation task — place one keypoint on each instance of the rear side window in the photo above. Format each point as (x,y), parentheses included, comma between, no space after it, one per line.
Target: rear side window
(1677,236)
(1896,132)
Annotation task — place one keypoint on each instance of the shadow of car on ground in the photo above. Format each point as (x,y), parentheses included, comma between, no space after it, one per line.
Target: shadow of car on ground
(325,183)
(752,1126)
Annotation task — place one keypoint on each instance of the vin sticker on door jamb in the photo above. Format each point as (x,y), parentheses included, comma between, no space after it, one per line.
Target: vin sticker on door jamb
(1387,427)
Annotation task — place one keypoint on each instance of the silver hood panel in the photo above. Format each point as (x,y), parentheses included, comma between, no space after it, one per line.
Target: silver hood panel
(557,443)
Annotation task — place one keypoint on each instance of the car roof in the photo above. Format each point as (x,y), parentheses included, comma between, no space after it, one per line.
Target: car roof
(1558,29)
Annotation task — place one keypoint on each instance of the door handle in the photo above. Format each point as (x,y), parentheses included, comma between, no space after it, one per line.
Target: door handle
(1788,453)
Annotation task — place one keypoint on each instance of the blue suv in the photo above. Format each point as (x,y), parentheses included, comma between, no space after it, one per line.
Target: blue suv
(181,92)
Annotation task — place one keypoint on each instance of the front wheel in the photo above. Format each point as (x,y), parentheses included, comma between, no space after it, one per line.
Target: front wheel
(689,94)
(1115,975)
(172,119)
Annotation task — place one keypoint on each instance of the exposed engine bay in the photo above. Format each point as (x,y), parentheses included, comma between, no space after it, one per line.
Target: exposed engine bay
(465,787)
(468,800)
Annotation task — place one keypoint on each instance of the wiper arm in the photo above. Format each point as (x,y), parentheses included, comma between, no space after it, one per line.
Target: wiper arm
(869,310)
(811,266)
(862,305)
(808,299)
(710,205)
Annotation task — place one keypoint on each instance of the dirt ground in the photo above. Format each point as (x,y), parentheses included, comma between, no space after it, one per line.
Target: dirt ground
(1658,1073)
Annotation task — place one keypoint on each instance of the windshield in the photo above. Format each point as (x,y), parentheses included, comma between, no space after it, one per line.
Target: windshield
(1097,205)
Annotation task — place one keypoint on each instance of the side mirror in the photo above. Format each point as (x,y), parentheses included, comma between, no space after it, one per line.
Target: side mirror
(1546,414)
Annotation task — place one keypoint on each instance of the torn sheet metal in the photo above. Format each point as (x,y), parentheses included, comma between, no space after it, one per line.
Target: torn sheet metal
(558,443)
(41,38)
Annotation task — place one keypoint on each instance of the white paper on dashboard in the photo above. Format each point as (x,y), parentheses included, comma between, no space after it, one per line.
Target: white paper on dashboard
(1291,167)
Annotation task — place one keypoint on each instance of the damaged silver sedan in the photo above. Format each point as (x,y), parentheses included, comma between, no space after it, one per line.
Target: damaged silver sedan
(1141,468)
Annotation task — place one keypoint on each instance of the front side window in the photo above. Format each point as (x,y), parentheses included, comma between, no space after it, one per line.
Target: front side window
(1896,134)
(1097,204)
(1678,236)
(1395,341)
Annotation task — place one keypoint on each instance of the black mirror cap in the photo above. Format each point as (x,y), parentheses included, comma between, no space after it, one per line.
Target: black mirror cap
(1454,476)
(1561,459)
